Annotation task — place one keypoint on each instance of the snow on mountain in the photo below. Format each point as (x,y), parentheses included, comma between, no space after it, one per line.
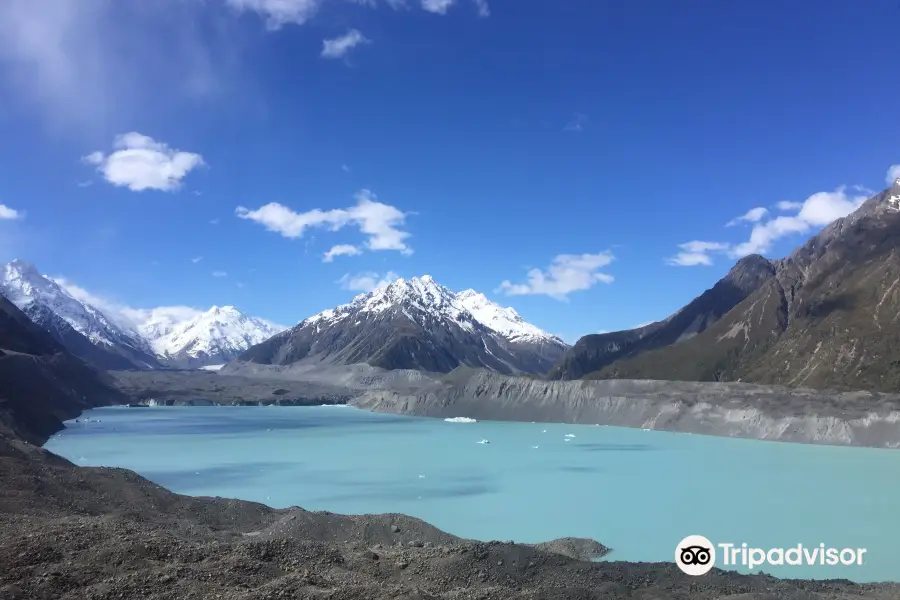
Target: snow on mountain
(425,294)
(421,294)
(54,309)
(503,320)
(131,338)
(213,337)
(415,324)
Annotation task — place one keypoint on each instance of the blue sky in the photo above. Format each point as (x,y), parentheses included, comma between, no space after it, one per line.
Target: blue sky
(590,154)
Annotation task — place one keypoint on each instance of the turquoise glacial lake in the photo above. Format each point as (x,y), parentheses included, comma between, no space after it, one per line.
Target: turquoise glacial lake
(638,492)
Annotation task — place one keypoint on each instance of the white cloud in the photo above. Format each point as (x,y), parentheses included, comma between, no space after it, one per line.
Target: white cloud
(141,163)
(566,274)
(367,282)
(84,184)
(9,214)
(696,253)
(439,7)
(219,274)
(345,168)
(213,221)
(126,316)
(341,250)
(341,45)
(893,174)
(754,215)
(379,221)
(196,259)
(279,13)
(818,210)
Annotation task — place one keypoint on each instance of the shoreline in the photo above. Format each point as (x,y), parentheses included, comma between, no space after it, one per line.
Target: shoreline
(469,420)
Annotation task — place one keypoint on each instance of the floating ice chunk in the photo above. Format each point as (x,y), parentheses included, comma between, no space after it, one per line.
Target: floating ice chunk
(544,431)
(460,420)
(484,442)
(421,477)
(570,435)
(567,440)
(534,447)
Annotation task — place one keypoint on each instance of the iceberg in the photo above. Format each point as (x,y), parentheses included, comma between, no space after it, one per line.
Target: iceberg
(460,420)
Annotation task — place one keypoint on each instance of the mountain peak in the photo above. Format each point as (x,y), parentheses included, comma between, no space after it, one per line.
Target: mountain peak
(22,266)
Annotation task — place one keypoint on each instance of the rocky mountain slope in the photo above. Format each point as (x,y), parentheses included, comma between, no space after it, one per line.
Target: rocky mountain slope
(828,316)
(214,337)
(42,384)
(415,324)
(83,329)
(710,408)
(593,352)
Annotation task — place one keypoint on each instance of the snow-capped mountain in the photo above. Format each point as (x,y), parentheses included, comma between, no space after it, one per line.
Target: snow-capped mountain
(146,339)
(416,324)
(505,321)
(83,329)
(214,337)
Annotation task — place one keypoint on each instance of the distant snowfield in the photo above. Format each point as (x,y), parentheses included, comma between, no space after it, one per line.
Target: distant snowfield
(211,367)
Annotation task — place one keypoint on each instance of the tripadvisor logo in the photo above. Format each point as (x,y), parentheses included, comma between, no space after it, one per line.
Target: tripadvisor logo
(696,555)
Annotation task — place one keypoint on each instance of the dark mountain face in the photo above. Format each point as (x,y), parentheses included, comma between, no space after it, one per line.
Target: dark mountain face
(42,383)
(829,317)
(415,324)
(104,357)
(81,328)
(593,352)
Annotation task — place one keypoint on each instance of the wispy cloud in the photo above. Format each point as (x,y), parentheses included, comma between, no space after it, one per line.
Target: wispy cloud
(893,174)
(219,274)
(345,168)
(367,282)
(696,253)
(214,221)
(10,214)
(140,163)
(196,259)
(84,184)
(817,211)
(566,274)
(339,47)
(124,315)
(754,215)
(380,222)
(94,62)
(439,7)
(577,124)
(341,250)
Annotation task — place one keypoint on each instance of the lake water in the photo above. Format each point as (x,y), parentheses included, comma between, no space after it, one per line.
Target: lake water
(638,492)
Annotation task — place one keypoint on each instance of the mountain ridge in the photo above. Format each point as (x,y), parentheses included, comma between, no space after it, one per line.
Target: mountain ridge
(415,324)
(826,318)
(162,340)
